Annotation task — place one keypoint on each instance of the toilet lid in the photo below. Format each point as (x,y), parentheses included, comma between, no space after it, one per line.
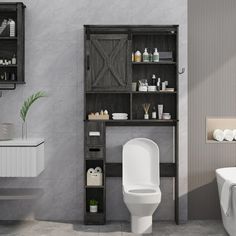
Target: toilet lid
(142,191)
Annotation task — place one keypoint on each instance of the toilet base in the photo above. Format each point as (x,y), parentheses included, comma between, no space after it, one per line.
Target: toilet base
(141,224)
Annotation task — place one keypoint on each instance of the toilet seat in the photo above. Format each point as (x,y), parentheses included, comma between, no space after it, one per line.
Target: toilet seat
(141,181)
(142,194)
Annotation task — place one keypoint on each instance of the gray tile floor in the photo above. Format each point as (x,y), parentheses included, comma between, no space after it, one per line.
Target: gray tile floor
(47,228)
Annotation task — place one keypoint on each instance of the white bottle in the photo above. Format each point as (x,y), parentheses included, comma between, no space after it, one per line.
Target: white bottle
(13,60)
(156,56)
(12,28)
(145,56)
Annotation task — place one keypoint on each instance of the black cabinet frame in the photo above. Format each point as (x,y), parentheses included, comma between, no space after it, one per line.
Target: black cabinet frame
(166,36)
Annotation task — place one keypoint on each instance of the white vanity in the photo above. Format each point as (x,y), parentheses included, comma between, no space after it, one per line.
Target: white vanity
(21,157)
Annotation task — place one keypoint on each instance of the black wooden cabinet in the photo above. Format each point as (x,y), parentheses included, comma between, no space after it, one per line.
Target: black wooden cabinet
(10,46)
(108,62)
(109,73)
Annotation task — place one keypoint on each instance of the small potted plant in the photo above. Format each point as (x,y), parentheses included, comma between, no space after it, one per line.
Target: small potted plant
(93,206)
(25,108)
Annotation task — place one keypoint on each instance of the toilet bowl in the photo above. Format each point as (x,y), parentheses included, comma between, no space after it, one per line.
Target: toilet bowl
(141,181)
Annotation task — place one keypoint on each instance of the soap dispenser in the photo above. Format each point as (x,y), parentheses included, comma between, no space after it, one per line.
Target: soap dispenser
(145,56)
(156,56)
(137,56)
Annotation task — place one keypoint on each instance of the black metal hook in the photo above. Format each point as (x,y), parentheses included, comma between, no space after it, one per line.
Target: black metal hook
(182,71)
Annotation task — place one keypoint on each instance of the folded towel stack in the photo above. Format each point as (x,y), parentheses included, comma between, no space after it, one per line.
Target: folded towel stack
(227,135)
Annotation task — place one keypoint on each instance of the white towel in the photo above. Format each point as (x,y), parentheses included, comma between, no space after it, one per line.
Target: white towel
(218,135)
(226,196)
(229,135)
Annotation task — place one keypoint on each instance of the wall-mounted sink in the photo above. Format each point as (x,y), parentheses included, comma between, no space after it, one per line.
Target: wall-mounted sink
(21,158)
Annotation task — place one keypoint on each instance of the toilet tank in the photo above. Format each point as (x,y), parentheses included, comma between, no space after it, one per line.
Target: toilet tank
(140,162)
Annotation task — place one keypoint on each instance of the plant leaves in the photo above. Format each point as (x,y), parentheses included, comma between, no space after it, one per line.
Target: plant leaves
(28,103)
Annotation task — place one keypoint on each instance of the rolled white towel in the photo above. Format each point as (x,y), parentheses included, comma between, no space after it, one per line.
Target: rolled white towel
(229,135)
(218,135)
(234,133)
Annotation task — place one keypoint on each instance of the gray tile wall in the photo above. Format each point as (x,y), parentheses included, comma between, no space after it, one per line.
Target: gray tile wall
(212,83)
(54,63)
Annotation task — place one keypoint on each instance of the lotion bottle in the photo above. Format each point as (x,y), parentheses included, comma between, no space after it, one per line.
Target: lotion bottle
(13,60)
(137,56)
(145,56)
(156,56)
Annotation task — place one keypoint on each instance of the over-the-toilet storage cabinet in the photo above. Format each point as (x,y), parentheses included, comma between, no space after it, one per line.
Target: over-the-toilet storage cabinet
(109,73)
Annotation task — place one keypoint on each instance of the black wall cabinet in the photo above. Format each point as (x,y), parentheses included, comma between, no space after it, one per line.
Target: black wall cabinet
(10,46)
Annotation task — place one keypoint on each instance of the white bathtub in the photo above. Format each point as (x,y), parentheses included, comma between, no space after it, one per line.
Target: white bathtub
(229,222)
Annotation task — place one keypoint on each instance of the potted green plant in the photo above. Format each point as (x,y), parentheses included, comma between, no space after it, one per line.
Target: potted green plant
(93,206)
(25,108)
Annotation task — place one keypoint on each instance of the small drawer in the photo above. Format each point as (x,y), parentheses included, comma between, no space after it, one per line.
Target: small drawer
(94,152)
(95,133)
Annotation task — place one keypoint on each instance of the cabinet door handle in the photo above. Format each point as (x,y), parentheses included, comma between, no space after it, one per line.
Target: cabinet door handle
(88,63)
(94,149)
(94,133)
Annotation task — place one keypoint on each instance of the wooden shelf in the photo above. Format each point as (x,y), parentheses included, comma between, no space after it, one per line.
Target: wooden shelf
(108,92)
(218,142)
(143,122)
(130,92)
(94,213)
(94,186)
(8,38)
(3,66)
(11,82)
(155,92)
(155,63)
(20,193)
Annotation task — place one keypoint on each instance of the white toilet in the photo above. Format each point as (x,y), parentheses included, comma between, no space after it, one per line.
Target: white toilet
(141,181)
